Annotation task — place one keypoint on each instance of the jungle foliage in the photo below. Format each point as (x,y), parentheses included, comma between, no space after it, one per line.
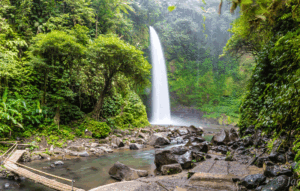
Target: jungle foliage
(61,61)
(269,29)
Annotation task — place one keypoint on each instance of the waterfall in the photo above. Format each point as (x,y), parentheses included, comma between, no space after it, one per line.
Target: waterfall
(160,91)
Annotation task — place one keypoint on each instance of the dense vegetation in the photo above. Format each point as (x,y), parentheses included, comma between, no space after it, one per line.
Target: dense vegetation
(64,63)
(68,65)
(269,30)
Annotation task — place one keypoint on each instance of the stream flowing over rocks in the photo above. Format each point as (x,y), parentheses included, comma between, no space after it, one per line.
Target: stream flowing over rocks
(184,159)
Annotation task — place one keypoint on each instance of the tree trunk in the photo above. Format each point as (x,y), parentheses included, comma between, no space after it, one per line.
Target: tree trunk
(45,89)
(98,107)
(57,116)
(96,26)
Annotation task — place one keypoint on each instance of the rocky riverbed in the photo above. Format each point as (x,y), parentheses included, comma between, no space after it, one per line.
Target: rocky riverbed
(227,162)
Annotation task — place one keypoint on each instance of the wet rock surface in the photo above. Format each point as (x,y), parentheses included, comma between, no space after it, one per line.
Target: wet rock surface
(253,181)
(122,172)
(278,184)
(171,169)
(196,166)
(159,139)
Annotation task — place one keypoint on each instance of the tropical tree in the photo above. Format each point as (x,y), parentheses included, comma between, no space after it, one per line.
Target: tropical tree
(112,57)
(54,55)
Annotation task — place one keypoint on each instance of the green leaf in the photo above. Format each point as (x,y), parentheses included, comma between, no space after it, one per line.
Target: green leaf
(246,2)
(171,8)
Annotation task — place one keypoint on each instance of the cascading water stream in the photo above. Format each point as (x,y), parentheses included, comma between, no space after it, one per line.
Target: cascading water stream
(160,91)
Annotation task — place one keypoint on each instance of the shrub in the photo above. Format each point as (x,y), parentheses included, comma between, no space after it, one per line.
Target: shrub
(99,129)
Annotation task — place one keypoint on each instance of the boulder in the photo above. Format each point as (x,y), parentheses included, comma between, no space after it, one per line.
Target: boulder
(198,156)
(83,154)
(36,157)
(185,160)
(197,139)
(180,154)
(182,131)
(195,130)
(221,138)
(73,153)
(200,147)
(26,157)
(135,146)
(76,148)
(281,159)
(260,161)
(143,135)
(57,163)
(113,145)
(276,170)
(164,157)
(278,184)
(105,149)
(180,150)
(171,169)
(233,135)
(223,149)
(158,139)
(94,145)
(253,181)
(116,141)
(44,155)
(140,141)
(290,156)
(122,172)
(179,140)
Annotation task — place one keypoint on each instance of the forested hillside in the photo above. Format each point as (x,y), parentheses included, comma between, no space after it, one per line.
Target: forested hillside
(67,64)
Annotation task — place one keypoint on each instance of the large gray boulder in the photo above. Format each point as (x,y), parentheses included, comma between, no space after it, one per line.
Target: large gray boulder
(195,130)
(180,155)
(122,172)
(158,139)
(221,138)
